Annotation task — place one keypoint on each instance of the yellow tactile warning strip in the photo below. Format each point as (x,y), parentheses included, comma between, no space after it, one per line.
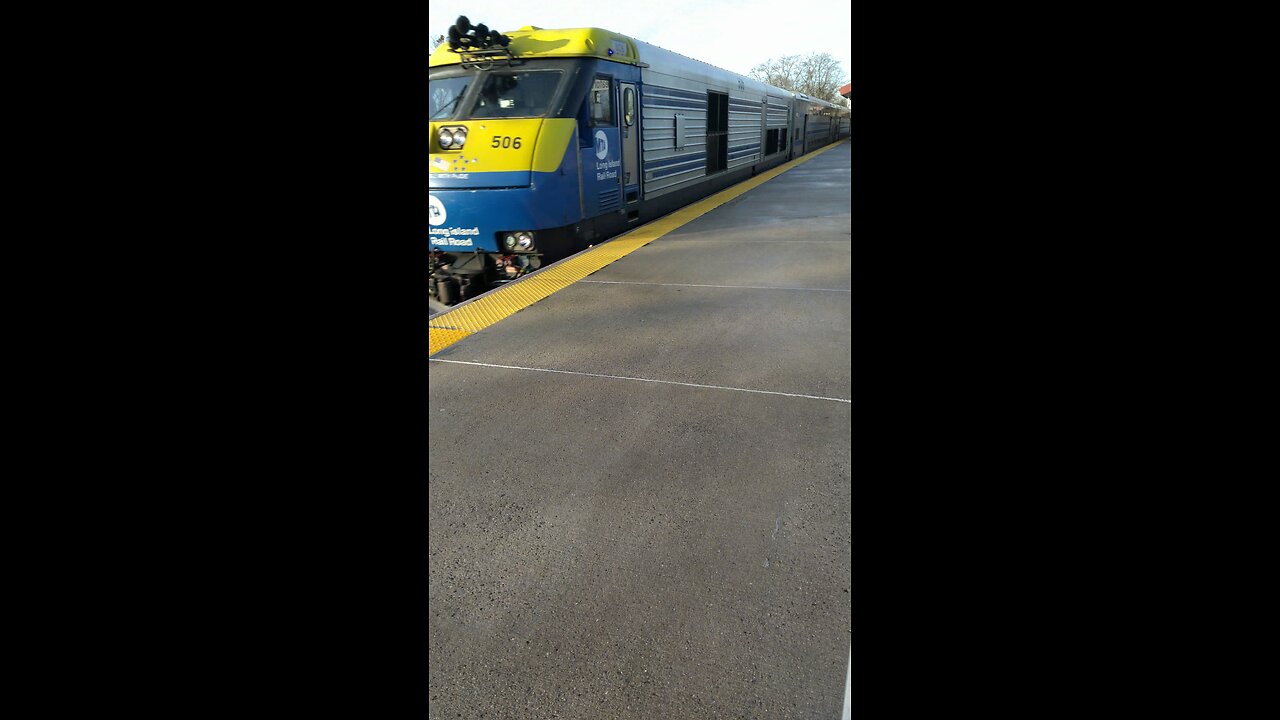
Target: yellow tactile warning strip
(453,325)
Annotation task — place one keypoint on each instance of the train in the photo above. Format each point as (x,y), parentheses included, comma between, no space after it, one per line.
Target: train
(544,142)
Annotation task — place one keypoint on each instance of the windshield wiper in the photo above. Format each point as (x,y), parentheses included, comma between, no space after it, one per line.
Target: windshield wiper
(445,110)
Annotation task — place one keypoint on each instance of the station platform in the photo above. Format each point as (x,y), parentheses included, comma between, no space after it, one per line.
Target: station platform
(640,478)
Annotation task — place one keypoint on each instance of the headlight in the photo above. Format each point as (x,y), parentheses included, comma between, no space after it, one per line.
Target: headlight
(524,240)
(452,138)
(509,242)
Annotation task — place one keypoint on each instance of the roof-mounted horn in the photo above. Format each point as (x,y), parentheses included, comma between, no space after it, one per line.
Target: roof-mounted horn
(478,46)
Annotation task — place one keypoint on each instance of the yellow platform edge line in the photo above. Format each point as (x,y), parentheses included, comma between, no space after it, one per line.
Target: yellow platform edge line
(453,325)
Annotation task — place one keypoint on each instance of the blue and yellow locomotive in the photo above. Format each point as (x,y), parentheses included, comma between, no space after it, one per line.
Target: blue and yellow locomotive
(548,141)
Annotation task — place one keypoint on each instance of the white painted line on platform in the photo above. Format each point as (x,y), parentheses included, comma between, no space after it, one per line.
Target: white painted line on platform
(740,287)
(848,684)
(621,377)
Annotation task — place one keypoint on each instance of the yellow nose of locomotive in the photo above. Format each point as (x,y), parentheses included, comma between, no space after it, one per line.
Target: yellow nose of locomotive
(499,146)
(484,146)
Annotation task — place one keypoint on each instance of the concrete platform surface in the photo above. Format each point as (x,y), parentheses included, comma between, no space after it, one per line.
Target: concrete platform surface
(660,528)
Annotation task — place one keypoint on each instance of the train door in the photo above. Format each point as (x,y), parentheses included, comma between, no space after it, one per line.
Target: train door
(804,134)
(602,157)
(630,150)
(717,131)
(791,123)
(764,132)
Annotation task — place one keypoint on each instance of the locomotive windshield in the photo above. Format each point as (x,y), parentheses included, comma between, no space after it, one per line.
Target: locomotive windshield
(522,94)
(536,89)
(446,94)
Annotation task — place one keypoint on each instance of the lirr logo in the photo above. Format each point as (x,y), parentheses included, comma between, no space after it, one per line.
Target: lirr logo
(602,145)
(438,214)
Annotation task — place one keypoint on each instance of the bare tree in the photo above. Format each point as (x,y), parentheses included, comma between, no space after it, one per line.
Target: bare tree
(817,75)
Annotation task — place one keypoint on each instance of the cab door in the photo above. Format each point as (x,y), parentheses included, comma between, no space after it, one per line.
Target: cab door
(630,130)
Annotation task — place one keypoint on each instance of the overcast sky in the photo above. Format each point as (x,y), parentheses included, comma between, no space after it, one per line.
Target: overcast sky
(736,35)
